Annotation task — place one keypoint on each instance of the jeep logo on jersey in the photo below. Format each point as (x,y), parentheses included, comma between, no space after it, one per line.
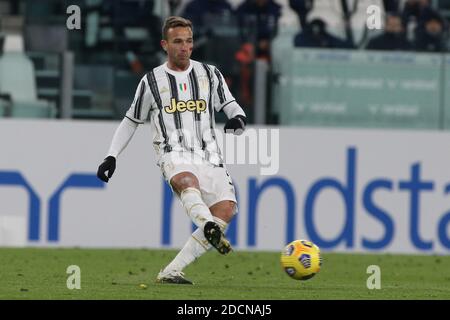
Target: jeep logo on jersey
(181,106)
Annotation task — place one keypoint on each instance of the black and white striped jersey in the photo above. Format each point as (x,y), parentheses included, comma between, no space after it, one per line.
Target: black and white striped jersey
(181,108)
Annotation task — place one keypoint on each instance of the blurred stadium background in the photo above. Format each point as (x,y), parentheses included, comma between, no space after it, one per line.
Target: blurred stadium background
(362,161)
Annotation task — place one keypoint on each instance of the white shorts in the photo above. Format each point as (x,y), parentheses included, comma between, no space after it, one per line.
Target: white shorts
(215,182)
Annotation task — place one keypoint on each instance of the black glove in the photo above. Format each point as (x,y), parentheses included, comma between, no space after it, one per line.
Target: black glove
(236,125)
(108,165)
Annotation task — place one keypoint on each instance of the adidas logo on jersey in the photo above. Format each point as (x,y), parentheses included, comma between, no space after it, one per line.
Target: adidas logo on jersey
(197,106)
(163,90)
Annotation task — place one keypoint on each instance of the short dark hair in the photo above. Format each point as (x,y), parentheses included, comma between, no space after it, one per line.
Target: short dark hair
(173,22)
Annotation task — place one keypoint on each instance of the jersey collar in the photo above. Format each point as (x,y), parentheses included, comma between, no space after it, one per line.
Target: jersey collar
(178,73)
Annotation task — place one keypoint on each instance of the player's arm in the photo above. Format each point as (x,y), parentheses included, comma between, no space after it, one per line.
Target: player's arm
(224,101)
(136,114)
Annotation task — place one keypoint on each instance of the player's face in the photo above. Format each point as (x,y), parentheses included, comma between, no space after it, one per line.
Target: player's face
(178,46)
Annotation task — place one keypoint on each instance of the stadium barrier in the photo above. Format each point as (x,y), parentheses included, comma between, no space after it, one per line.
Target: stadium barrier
(346,190)
(350,88)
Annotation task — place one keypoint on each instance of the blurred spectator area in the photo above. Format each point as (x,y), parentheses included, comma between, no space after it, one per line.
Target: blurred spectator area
(346,20)
(118,42)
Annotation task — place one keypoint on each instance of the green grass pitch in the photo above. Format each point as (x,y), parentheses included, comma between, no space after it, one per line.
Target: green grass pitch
(35,273)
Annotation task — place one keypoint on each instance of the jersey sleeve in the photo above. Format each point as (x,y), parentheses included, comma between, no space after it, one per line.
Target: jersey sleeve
(142,102)
(224,100)
(122,137)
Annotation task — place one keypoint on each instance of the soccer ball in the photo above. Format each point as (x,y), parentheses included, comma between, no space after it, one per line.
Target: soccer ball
(301,259)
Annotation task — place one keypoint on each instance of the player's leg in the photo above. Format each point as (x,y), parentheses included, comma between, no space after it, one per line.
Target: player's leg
(186,185)
(223,212)
(197,245)
(220,197)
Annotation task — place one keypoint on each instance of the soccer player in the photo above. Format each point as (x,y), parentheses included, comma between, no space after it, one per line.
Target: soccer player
(180,97)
